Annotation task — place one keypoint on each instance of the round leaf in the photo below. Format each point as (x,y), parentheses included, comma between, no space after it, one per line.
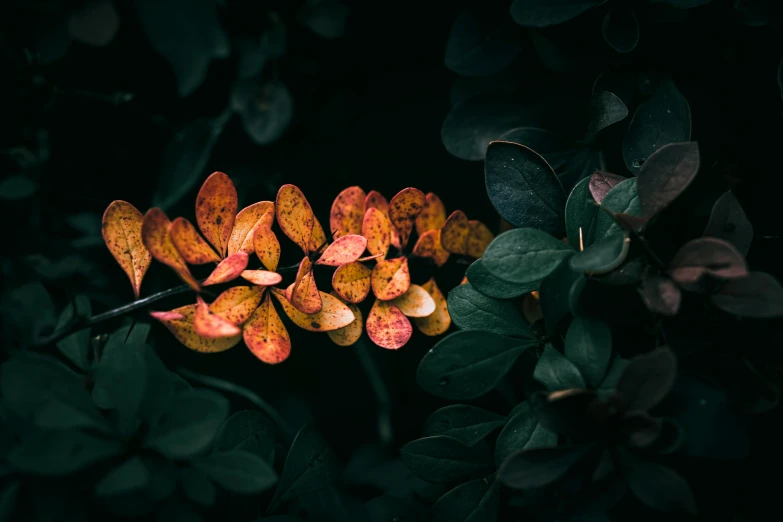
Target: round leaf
(390,278)
(588,344)
(347,212)
(265,334)
(467,424)
(525,255)
(729,222)
(333,315)
(416,302)
(247,222)
(556,372)
(404,208)
(445,459)
(351,282)
(121,227)
(433,215)
(472,310)
(345,249)
(387,326)
(605,109)
(438,321)
(621,29)
(756,295)
(193,248)
(665,175)
(350,334)
(238,471)
(491,286)
(216,210)
(522,432)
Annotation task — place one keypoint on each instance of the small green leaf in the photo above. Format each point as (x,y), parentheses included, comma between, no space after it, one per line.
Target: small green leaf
(616,369)
(605,109)
(472,310)
(665,175)
(121,377)
(588,344)
(455,369)
(623,198)
(580,212)
(559,291)
(621,30)
(197,486)
(473,501)
(467,424)
(522,432)
(492,286)
(76,346)
(445,459)
(556,372)
(543,13)
(525,255)
(659,487)
(248,430)
(540,467)
(17,187)
(129,476)
(602,256)
(554,149)
(647,378)
(59,453)
(238,471)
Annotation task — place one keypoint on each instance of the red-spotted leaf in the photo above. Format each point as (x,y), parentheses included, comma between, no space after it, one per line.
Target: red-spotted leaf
(237,304)
(390,278)
(416,302)
(377,229)
(347,212)
(208,324)
(438,321)
(121,227)
(479,238)
(318,237)
(433,215)
(267,247)
(250,219)
(228,269)
(387,326)
(303,293)
(216,209)
(375,199)
(665,175)
(190,244)
(351,282)
(180,322)
(429,245)
(155,228)
(348,335)
(333,315)
(404,208)
(602,182)
(455,233)
(345,249)
(265,334)
(294,215)
(261,277)
(756,295)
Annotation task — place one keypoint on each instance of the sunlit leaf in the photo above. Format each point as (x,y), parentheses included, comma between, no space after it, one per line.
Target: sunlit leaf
(602,182)
(121,226)
(208,324)
(303,293)
(180,322)
(665,175)
(391,278)
(333,315)
(438,321)
(258,215)
(193,248)
(237,304)
(345,249)
(216,210)
(387,326)
(455,232)
(404,208)
(351,282)
(318,237)
(416,302)
(266,335)
(228,269)
(347,212)
(294,215)
(376,227)
(155,234)
(348,335)
(433,215)
(375,199)
(479,238)
(429,245)
(262,277)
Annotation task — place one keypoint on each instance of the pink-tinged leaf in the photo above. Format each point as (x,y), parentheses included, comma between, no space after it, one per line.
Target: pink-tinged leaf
(207,324)
(479,238)
(228,269)
(155,233)
(665,175)
(439,321)
(347,212)
(180,323)
(455,233)
(267,247)
(707,255)
(433,215)
(390,278)
(333,315)
(249,219)
(404,208)
(377,229)
(387,326)
(266,335)
(237,304)
(756,295)
(429,245)
(348,335)
(318,237)
(661,295)
(351,282)
(262,277)
(121,227)
(375,199)
(601,183)
(167,316)
(345,249)
(190,244)
(368,258)
(216,209)
(295,216)
(303,293)
(416,302)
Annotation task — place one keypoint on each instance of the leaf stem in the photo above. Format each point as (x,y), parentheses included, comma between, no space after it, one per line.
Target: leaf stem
(379,388)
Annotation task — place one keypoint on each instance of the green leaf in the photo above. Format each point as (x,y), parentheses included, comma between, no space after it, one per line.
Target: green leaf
(17,187)
(659,487)
(621,30)
(445,459)
(540,467)
(121,377)
(543,13)
(522,432)
(473,501)
(455,369)
(472,310)
(647,378)
(525,255)
(729,222)
(190,424)
(128,476)
(580,211)
(266,109)
(556,372)
(605,109)
(197,486)
(616,369)
(163,476)
(134,333)
(756,295)
(326,18)
(663,118)
(559,291)
(248,430)
(467,424)
(554,149)
(76,346)
(59,453)
(523,188)
(177,510)
(492,286)
(238,471)
(162,387)
(8,500)
(665,175)
(479,45)
(28,313)
(623,198)
(588,344)
(602,256)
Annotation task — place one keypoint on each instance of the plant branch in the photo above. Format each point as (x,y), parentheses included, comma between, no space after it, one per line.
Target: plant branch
(379,388)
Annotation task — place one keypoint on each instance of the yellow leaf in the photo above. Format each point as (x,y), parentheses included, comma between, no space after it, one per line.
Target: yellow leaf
(249,219)
(267,247)
(439,321)
(433,215)
(180,323)
(207,324)
(265,334)
(375,199)
(303,293)
(428,245)
(294,215)
(262,277)
(121,227)
(216,209)
(352,282)
(333,315)
(347,212)
(479,238)
(376,228)
(345,249)
(237,304)
(390,278)
(404,208)
(348,335)
(416,302)
(454,234)
(387,326)
(155,228)
(318,237)
(190,244)
(228,269)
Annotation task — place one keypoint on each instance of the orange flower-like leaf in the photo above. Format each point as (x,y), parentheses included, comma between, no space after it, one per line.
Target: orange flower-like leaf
(455,233)
(180,322)
(121,228)
(228,269)
(295,216)
(249,219)
(433,215)
(347,212)
(390,278)
(348,335)
(155,228)
(318,237)
(267,247)
(416,302)
(387,326)
(375,199)
(351,282)
(303,293)
(428,245)
(439,321)
(265,334)
(377,229)
(333,315)
(345,249)
(216,209)
(190,244)
(237,304)
(404,208)
(479,238)
(262,277)
(207,324)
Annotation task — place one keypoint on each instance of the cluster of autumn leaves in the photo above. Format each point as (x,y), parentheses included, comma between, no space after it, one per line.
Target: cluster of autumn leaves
(365,228)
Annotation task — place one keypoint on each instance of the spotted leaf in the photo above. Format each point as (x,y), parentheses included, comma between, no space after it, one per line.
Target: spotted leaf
(189,243)
(121,227)
(267,247)
(228,269)
(438,321)
(404,208)
(237,304)
(390,278)
(416,302)
(250,219)
(429,245)
(351,282)
(387,326)
(348,335)
(155,228)
(180,323)
(294,215)
(265,334)
(208,324)
(347,212)
(333,315)
(433,215)
(345,249)
(216,209)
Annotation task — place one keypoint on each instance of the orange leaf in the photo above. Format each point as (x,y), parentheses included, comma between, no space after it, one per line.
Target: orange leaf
(207,324)
(429,245)
(345,249)
(333,315)
(454,234)
(294,215)
(348,335)
(317,238)
(437,322)
(237,304)
(121,228)
(155,228)
(190,244)
(404,208)
(265,334)
(249,219)
(303,293)
(376,228)
(216,209)
(416,302)
(390,278)
(375,199)
(387,326)
(433,215)
(267,247)
(352,282)
(479,238)
(228,269)
(168,316)
(180,322)
(347,212)
(262,277)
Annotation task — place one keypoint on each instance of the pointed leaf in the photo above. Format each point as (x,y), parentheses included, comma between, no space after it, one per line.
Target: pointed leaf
(216,210)
(190,244)
(247,430)
(543,13)
(474,501)
(262,277)
(267,247)
(588,344)
(756,295)
(390,278)
(706,255)
(522,432)
(660,294)
(345,249)
(647,379)
(433,215)
(472,310)
(602,182)
(121,228)
(729,222)
(375,199)
(347,212)
(438,321)
(491,286)
(445,459)
(621,30)
(429,245)
(605,109)
(404,208)
(208,324)
(416,302)
(180,322)
(660,488)
(387,326)
(265,334)
(303,293)
(455,233)
(294,215)
(333,314)
(318,237)
(348,335)
(665,175)
(467,424)
(237,304)
(623,198)
(539,467)
(351,282)
(250,219)
(238,471)
(376,227)
(556,372)
(580,213)
(155,235)
(525,255)
(228,269)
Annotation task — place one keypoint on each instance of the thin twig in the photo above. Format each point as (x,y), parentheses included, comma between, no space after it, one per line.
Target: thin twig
(379,388)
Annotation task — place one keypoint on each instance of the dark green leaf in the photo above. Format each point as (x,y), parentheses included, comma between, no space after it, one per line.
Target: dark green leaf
(756,295)
(492,286)
(523,188)
(326,18)
(28,313)
(573,412)
(248,430)
(455,369)
(605,109)
(559,291)
(706,255)
(467,424)
(266,109)
(177,510)
(238,471)
(588,344)
(8,500)
(623,198)
(683,4)
(729,222)
(539,467)
(197,486)
(444,459)
(163,476)
(555,150)
(663,118)
(603,256)
(128,476)
(16,187)
(613,375)
(58,453)
(621,29)
(556,372)
(76,346)
(580,212)
(473,501)
(660,294)
(582,165)
(660,488)
(190,424)
(665,175)
(522,432)
(602,182)
(641,429)
(121,377)
(161,388)
(479,46)
(524,255)
(472,310)
(134,333)
(647,378)
(542,13)
(387,507)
